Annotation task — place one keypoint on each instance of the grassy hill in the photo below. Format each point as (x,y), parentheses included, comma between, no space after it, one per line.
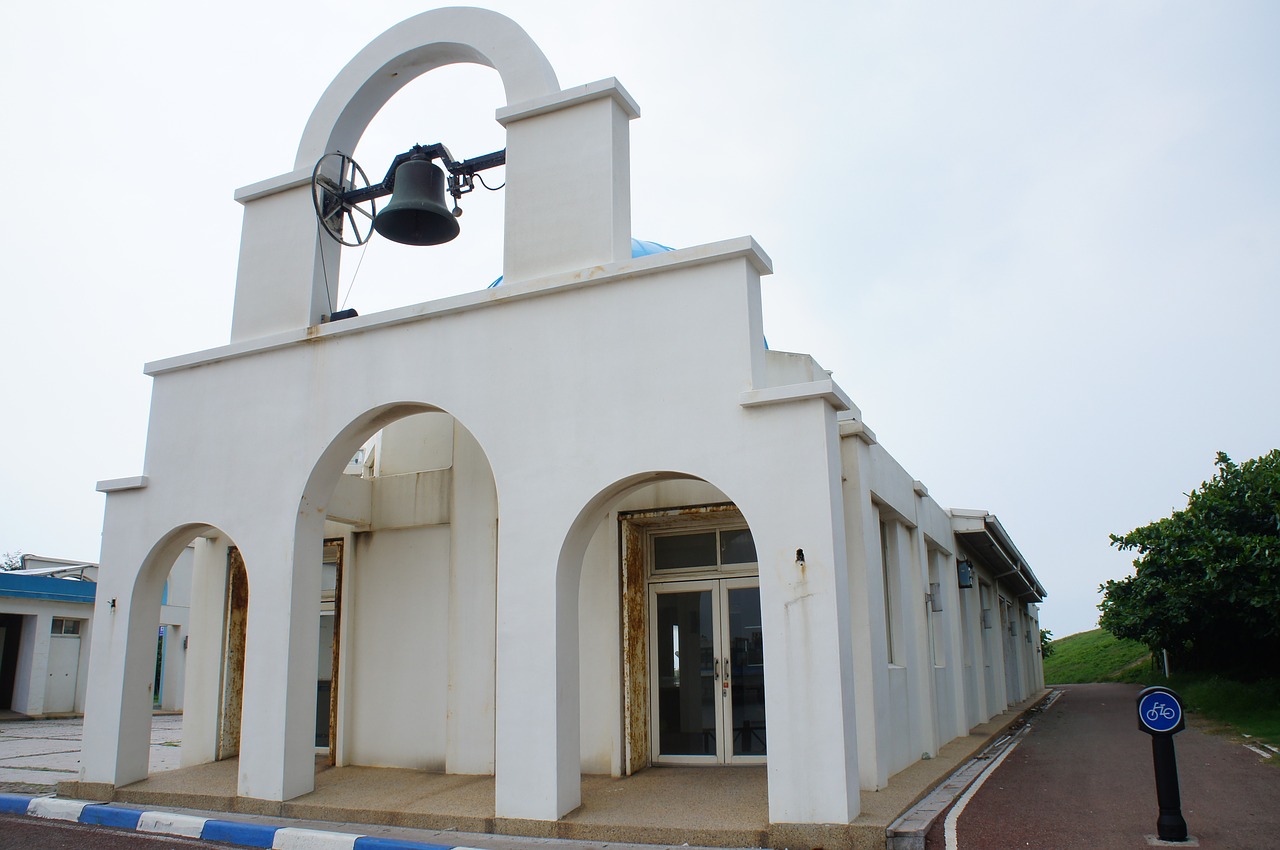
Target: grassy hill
(1249,711)
(1096,656)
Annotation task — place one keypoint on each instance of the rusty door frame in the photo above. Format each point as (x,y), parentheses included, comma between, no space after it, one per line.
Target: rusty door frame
(340,544)
(235,622)
(634,531)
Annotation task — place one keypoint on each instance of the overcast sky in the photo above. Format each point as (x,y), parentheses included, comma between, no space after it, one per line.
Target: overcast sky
(1037,243)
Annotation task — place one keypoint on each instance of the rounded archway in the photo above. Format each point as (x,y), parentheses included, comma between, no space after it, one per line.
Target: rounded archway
(190,582)
(400,514)
(668,616)
(410,49)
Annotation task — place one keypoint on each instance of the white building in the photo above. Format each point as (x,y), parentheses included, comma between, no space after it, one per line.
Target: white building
(595,523)
(46,619)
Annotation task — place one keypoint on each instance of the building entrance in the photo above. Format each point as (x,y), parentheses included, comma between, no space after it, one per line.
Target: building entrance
(707,664)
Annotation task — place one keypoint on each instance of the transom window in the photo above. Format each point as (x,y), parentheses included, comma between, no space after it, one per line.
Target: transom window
(703,550)
(62,626)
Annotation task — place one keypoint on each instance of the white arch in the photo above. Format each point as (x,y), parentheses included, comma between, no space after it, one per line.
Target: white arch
(410,49)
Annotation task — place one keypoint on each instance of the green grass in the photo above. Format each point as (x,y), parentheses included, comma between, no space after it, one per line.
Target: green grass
(1096,656)
(1243,708)
(1251,708)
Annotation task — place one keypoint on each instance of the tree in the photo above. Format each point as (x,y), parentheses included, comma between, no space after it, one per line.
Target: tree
(1046,643)
(1207,580)
(11,560)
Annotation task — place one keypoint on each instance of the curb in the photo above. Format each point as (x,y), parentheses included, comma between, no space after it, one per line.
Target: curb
(192,826)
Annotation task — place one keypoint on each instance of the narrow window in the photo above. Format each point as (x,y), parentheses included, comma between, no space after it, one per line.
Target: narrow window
(887,573)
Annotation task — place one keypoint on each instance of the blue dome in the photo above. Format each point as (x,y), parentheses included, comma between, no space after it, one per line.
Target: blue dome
(639,248)
(643,248)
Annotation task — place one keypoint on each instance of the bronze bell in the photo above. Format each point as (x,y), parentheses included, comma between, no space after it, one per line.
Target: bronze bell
(417,214)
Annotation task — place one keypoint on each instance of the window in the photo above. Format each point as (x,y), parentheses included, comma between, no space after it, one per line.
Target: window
(62,626)
(887,574)
(703,550)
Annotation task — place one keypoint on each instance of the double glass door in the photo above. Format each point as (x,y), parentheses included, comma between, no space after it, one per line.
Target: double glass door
(707,664)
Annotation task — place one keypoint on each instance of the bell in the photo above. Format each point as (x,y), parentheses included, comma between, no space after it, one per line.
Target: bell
(417,214)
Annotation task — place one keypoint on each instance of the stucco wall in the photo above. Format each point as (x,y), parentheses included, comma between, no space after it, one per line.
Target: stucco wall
(398,643)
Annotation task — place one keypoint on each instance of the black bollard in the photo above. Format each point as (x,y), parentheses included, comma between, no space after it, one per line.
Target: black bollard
(1170,826)
(1160,716)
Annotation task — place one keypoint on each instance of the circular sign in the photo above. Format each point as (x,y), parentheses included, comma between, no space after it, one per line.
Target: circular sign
(1159,711)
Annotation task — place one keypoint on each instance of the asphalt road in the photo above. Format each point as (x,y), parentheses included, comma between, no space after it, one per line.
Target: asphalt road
(20,832)
(1083,778)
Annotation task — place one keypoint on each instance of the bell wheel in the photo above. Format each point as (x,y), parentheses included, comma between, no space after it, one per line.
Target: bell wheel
(347,220)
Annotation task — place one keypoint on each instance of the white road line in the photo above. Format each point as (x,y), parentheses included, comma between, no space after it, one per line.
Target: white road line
(1258,750)
(953,817)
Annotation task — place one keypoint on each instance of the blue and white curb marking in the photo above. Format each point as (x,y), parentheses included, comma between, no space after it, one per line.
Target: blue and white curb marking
(193,826)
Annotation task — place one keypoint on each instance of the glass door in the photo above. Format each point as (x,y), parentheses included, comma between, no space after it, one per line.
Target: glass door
(742,685)
(707,663)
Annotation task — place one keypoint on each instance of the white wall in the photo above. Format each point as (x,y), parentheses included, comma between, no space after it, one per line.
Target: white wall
(397,620)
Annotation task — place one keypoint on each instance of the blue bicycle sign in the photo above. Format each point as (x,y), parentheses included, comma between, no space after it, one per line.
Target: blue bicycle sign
(1159,711)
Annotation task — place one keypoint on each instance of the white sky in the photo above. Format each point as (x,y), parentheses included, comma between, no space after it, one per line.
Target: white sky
(1036,243)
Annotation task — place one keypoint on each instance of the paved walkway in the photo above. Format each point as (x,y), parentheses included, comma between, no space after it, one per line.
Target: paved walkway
(35,755)
(1082,777)
(671,806)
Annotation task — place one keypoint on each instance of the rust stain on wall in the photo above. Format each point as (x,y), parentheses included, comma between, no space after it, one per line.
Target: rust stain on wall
(235,628)
(635,655)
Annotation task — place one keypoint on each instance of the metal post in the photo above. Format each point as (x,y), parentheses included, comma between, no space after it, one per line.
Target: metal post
(1160,716)
(1170,826)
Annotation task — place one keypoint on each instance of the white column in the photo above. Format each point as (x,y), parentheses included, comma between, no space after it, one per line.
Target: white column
(472,618)
(809,683)
(913,583)
(538,759)
(117,723)
(952,638)
(568,204)
(33,664)
(280,285)
(204,655)
(277,733)
(867,630)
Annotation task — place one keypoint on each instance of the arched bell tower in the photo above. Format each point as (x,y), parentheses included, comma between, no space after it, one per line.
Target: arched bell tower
(552,225)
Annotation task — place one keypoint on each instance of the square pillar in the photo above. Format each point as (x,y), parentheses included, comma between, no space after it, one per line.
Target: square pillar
(867,630)
(117,723)
(280,284)
(809,682)
(278,727)
(537,748)
(568,204)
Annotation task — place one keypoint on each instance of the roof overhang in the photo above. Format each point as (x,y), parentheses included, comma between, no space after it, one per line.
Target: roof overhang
(982,535)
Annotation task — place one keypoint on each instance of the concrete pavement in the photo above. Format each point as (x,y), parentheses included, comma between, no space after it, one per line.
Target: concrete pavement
(35,755)
(667,806)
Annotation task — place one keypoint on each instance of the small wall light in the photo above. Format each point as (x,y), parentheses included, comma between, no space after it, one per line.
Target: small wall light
(800,557)
(112,603)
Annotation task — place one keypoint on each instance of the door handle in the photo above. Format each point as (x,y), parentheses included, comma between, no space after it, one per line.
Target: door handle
(726,673)
(717,670)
